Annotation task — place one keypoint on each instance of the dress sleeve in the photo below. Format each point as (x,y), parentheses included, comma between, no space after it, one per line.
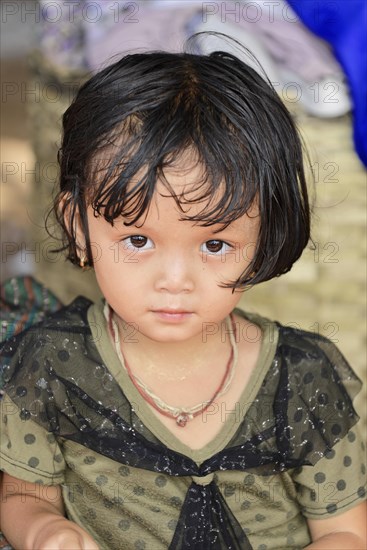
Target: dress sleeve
(314,400)
(337,482)
(27,451)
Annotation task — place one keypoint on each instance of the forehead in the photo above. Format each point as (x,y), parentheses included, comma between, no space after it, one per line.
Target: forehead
(184,176)
(190,183)
(182,193)
(201,192)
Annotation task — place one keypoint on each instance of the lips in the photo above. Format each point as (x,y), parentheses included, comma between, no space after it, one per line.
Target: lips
(169,314)
(171,311)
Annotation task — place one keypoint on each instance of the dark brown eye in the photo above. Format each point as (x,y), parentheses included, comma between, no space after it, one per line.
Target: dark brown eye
(214,246)
(136,241)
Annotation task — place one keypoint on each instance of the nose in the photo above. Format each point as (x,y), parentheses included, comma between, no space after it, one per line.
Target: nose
(175,274)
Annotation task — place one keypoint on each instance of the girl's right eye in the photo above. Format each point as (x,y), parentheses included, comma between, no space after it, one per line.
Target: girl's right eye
(137,242)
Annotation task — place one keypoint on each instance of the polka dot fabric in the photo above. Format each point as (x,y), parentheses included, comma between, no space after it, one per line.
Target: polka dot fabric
(72,424)
(331,486)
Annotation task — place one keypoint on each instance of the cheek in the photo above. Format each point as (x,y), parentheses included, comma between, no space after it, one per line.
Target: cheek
(99,255)
(116,272)
(219,303)
(107,254)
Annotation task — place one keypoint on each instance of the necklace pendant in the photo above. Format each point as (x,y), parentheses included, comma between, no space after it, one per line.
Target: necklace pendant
(182,419)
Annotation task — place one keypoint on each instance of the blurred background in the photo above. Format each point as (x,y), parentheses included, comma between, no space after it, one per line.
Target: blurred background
(49,48)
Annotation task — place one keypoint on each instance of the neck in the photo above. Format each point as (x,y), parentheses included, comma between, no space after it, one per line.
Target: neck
(184,412)
(176,360)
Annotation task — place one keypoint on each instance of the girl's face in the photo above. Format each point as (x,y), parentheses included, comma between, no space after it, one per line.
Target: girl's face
(162,276)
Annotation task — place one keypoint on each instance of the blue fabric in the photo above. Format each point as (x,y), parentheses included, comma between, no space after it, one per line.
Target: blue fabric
(344,25)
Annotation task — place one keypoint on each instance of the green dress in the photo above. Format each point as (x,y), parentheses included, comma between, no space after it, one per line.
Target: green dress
(288,451)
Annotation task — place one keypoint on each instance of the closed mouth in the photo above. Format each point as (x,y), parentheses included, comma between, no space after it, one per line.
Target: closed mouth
(171,311)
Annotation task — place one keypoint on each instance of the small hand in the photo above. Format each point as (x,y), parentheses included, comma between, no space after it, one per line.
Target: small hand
(62,534)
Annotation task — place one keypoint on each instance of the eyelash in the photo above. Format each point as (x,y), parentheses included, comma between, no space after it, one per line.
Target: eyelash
(128,242)
(224,246)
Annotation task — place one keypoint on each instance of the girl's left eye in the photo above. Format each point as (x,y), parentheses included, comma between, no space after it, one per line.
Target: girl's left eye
(215,246)
(137,241)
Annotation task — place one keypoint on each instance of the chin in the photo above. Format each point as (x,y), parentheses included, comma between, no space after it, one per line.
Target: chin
(169,335)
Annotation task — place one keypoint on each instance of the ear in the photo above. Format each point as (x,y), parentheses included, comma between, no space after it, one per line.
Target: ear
(69,212)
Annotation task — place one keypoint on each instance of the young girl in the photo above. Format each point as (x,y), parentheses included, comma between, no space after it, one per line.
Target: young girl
(164,417)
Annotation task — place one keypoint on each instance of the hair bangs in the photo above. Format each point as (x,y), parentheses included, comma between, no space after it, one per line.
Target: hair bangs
(184,130)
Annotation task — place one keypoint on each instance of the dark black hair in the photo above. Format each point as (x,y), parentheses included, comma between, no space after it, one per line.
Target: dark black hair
(138,115)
